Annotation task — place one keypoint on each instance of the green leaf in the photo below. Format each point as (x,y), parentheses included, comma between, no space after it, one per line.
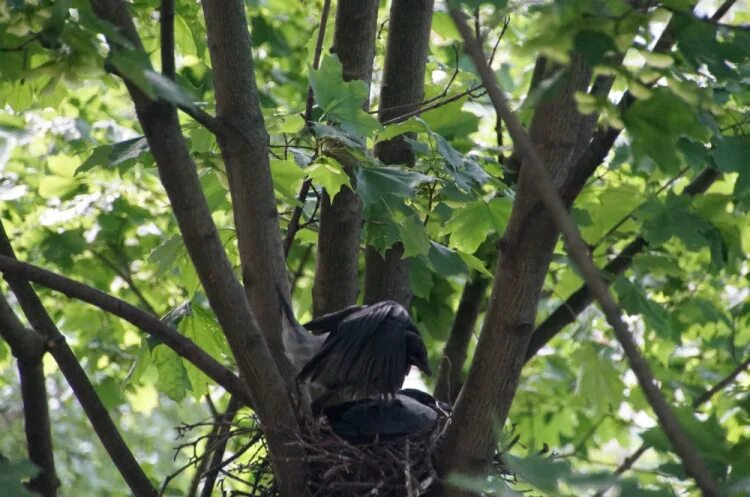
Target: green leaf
(124,154)
(657,123)
(376,182)
(450,121)
(342,101)
(470,225)
(342,136)
(598,381)
(413,125)
(475,263)
(136,68)
(596,46)
(413,236)
(420,278)
(166,254)
(673,218)
(731,153)
(203,329)
(173,378)
(12,476)
(635,301)
(287,177)
(445,261)
(330,175)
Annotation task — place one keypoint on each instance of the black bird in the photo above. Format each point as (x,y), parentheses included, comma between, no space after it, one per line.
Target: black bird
(362,421)
(368,351)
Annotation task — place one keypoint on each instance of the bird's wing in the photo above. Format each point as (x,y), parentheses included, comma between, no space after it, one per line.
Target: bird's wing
(373,355)
(330,322)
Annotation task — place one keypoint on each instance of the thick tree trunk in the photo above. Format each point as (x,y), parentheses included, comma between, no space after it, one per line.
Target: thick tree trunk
(244,148)
(271,395)
(560,134)
(401,91)
(337,264)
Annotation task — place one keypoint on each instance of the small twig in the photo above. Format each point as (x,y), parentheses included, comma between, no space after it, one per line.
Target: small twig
(126,275)
(211,471)
(316,57)
(708,394)
(627,216)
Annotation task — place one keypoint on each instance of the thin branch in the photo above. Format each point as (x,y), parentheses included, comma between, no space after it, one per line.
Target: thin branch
(293,225)
(225,425)
(28,348)
(432,106)
(203,118)
(594,155)
(567,312)
(450,372)
(316,57)
(166,22)
(76,377)
(628,462)
(182,345)
(126,275)
(579,253)
(721,385)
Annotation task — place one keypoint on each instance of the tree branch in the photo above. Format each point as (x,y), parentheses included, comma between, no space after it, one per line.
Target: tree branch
(403,83)
(337,262)
(579,253)
(76,377)
(224,422)
(629,461)
(450,372)
(293,225)
(244,149)
(568,311)
(146,322)
(271,396)
(28,348)
(166,22)
(203,118)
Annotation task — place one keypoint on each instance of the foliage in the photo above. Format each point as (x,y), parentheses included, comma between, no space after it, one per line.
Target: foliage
(81,196)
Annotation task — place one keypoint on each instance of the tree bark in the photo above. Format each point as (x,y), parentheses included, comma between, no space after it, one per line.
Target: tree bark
(271,396)
(74,374)
(547,189)
(402,89)
(337,263)
(560,134)
(146,322)
(567,312)
(450,372)
(244,148)
(28,348)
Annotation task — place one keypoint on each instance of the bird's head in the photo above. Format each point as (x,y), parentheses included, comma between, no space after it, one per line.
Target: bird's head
(416,352)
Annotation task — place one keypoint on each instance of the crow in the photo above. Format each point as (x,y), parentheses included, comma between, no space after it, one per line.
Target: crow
(368,352)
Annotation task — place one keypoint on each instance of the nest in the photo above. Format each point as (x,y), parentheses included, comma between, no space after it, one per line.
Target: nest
(392,468)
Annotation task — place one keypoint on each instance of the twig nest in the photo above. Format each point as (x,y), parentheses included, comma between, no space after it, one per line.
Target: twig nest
(372,447)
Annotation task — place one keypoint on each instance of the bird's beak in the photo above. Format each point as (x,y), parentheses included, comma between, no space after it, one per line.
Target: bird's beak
(424,366)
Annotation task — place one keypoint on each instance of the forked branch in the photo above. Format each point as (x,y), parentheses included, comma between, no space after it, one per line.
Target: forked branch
(577,250)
